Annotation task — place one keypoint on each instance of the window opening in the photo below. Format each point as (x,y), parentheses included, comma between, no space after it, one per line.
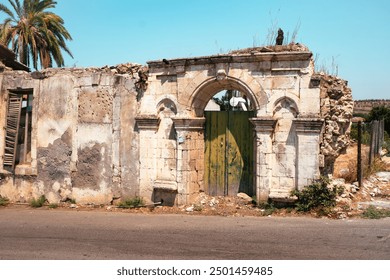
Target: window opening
(18,129)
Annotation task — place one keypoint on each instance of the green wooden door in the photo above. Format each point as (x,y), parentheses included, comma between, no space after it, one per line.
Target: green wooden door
(228,153)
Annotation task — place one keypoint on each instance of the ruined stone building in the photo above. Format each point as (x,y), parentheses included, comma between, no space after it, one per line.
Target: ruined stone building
(100,134)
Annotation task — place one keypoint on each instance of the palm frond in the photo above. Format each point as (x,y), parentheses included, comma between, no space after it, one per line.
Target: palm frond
(36,34)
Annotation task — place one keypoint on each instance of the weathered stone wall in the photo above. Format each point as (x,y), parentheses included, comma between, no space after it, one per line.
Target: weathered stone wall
(337,110)
(278,83)
(84,143)
(104,133)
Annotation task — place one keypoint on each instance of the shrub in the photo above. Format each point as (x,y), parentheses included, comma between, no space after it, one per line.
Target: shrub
(3,201)
(198,207)
(53,205)
(374,213)
(132,202)
(317,196)
(36,203)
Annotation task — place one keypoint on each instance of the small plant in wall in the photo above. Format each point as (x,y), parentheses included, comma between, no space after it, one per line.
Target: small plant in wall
(3,201)
(36,203)
(317,196)
(133,202)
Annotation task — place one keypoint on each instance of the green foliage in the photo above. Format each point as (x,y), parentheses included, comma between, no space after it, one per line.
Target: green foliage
(198,207)
(374,213)
(380,113)
(133,202)
(3,201)
(386,143)
(365,135)
(317,196)
(223,100)
(34,32)
(53,205)
(36,203)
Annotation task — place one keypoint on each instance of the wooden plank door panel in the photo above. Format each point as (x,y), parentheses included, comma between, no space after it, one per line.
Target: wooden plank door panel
(216,123)
(228,153)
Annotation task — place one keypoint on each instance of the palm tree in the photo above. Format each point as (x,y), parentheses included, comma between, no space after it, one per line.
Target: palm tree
(34,33)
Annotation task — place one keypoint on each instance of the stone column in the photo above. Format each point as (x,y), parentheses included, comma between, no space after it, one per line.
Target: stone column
(190,158)
(147,127)
(308,150)
(263,127)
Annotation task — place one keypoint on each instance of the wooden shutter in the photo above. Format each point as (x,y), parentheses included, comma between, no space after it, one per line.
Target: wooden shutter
(12,129)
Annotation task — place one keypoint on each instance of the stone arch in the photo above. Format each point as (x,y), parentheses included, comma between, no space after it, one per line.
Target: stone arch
(206,90)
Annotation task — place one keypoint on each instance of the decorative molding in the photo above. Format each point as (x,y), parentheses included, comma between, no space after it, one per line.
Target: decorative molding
(189,124)
(148,122)
(308,125)
(263,124)
(221,75)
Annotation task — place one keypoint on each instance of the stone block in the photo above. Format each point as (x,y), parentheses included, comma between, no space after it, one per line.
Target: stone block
(287,183)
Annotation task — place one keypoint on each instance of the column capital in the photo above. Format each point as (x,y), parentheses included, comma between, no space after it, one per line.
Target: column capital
(308,125)
(148,122)
(189,124)
(263,124)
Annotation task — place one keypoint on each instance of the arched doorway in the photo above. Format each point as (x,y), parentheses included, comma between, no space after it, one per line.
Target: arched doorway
(229,150)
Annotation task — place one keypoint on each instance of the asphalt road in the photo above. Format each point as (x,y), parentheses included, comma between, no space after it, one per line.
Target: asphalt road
(63,234)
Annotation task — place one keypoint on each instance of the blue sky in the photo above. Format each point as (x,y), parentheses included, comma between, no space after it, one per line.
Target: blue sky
(356,34)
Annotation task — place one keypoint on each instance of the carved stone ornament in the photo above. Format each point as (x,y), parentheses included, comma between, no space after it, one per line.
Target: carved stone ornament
(221,75)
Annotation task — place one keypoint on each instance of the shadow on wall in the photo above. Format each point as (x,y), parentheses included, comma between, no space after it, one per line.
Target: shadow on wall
(167,198)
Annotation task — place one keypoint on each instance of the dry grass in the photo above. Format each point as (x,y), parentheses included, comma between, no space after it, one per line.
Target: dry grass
(351,176)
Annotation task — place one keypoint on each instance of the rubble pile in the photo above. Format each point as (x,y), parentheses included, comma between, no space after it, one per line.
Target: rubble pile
(375,191)
(136,71)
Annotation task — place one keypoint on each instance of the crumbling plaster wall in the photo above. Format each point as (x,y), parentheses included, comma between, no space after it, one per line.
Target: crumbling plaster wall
(84,143)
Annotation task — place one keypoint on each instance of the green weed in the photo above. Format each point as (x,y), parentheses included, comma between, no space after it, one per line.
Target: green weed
(4,201)
(198,207)
(374,213)
(132,202)
(268,208)
(53,205)
(36,203)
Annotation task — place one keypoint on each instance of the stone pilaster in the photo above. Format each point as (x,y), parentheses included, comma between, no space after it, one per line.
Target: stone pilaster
(147,126)
(308,149)
(190,157)
(264,127)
